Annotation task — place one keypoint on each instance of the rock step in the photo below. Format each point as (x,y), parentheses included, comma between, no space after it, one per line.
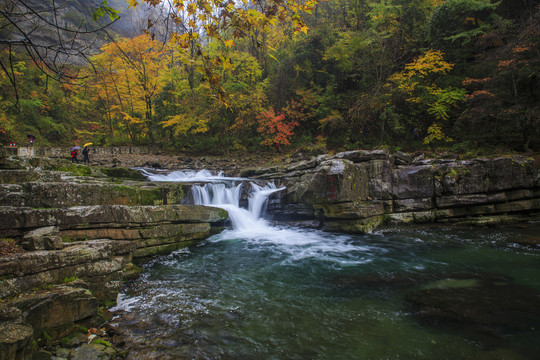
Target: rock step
(67,194)
(154,229)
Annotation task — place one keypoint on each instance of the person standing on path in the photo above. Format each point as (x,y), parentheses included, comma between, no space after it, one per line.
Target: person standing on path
(74,154)
(86,159)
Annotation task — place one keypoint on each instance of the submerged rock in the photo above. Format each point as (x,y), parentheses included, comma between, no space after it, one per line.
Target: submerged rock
(486,308)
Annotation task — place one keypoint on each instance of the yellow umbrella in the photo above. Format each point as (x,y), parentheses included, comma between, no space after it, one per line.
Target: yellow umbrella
(87,144)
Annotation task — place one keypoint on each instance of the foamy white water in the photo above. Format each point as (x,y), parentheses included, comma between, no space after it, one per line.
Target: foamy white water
(188,176)
(227,196)
(248,225)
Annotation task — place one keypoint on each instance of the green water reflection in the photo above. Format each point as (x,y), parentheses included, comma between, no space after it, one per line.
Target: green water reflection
(374,296)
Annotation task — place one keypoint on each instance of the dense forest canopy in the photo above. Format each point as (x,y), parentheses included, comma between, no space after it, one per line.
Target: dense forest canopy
(214,76)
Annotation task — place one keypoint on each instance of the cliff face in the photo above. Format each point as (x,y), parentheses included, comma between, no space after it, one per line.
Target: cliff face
(358,190)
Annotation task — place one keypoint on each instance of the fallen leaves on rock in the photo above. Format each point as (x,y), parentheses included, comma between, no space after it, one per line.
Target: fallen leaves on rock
(8,247)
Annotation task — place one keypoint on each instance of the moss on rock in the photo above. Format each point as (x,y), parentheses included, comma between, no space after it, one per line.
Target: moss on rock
(123,173)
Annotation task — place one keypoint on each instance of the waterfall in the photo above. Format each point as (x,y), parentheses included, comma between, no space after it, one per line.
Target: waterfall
(248,224)
(224,192)
(227,196)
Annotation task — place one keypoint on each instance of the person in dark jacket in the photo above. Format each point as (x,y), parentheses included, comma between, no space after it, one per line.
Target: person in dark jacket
(86,159)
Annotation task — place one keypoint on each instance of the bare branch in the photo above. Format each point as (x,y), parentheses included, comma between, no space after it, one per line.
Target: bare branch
(43,33)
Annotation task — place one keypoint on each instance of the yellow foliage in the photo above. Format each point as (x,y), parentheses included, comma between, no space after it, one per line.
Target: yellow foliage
(186,123)
(431,62)
(435,133)
(131,119)
(129,75)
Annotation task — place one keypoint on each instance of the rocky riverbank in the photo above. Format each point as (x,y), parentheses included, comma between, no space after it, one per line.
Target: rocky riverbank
(357,191)
(72,234)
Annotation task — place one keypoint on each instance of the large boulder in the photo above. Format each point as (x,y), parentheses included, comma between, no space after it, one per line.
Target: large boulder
(413,182)
(483,176)
(55,310)
(332,181)
(46,238)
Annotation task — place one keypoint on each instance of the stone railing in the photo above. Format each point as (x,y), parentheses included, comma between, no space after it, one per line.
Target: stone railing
(66,151)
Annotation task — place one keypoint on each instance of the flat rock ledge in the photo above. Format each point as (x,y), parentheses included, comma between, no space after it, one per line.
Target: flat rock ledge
(76,261)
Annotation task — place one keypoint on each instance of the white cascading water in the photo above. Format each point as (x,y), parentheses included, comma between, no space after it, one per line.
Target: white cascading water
(248,224)
(227,196)
(225,192)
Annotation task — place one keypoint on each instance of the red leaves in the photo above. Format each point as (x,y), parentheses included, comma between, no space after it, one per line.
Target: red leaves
(275,129)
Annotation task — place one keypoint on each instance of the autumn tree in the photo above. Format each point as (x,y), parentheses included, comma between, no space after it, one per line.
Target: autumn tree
(503,103)
(276,130)
(51,41)
(197,23)
(129,77)
(419,84)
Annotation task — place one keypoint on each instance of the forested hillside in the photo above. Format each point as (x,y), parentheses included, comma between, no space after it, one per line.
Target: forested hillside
(459,75)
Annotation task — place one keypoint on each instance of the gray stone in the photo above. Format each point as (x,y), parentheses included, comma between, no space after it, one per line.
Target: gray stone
(407,205)
(57,307)
(461,200)
(53,243)
(413,181)
(379,175)
(423,216)
(45,238)
(15,340)
(95,351)
(402,158)
(99,262)
(351,210)
(62,352)
(358,156)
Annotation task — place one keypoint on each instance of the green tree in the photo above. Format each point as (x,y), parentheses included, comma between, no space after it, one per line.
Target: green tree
(457,23)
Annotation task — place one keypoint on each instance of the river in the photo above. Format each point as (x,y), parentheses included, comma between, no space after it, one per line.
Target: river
(264,291)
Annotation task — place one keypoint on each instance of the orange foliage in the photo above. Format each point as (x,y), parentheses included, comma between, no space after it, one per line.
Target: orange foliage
(520,48)
(471,81)
(275,129)
(506,63)
(480,94)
